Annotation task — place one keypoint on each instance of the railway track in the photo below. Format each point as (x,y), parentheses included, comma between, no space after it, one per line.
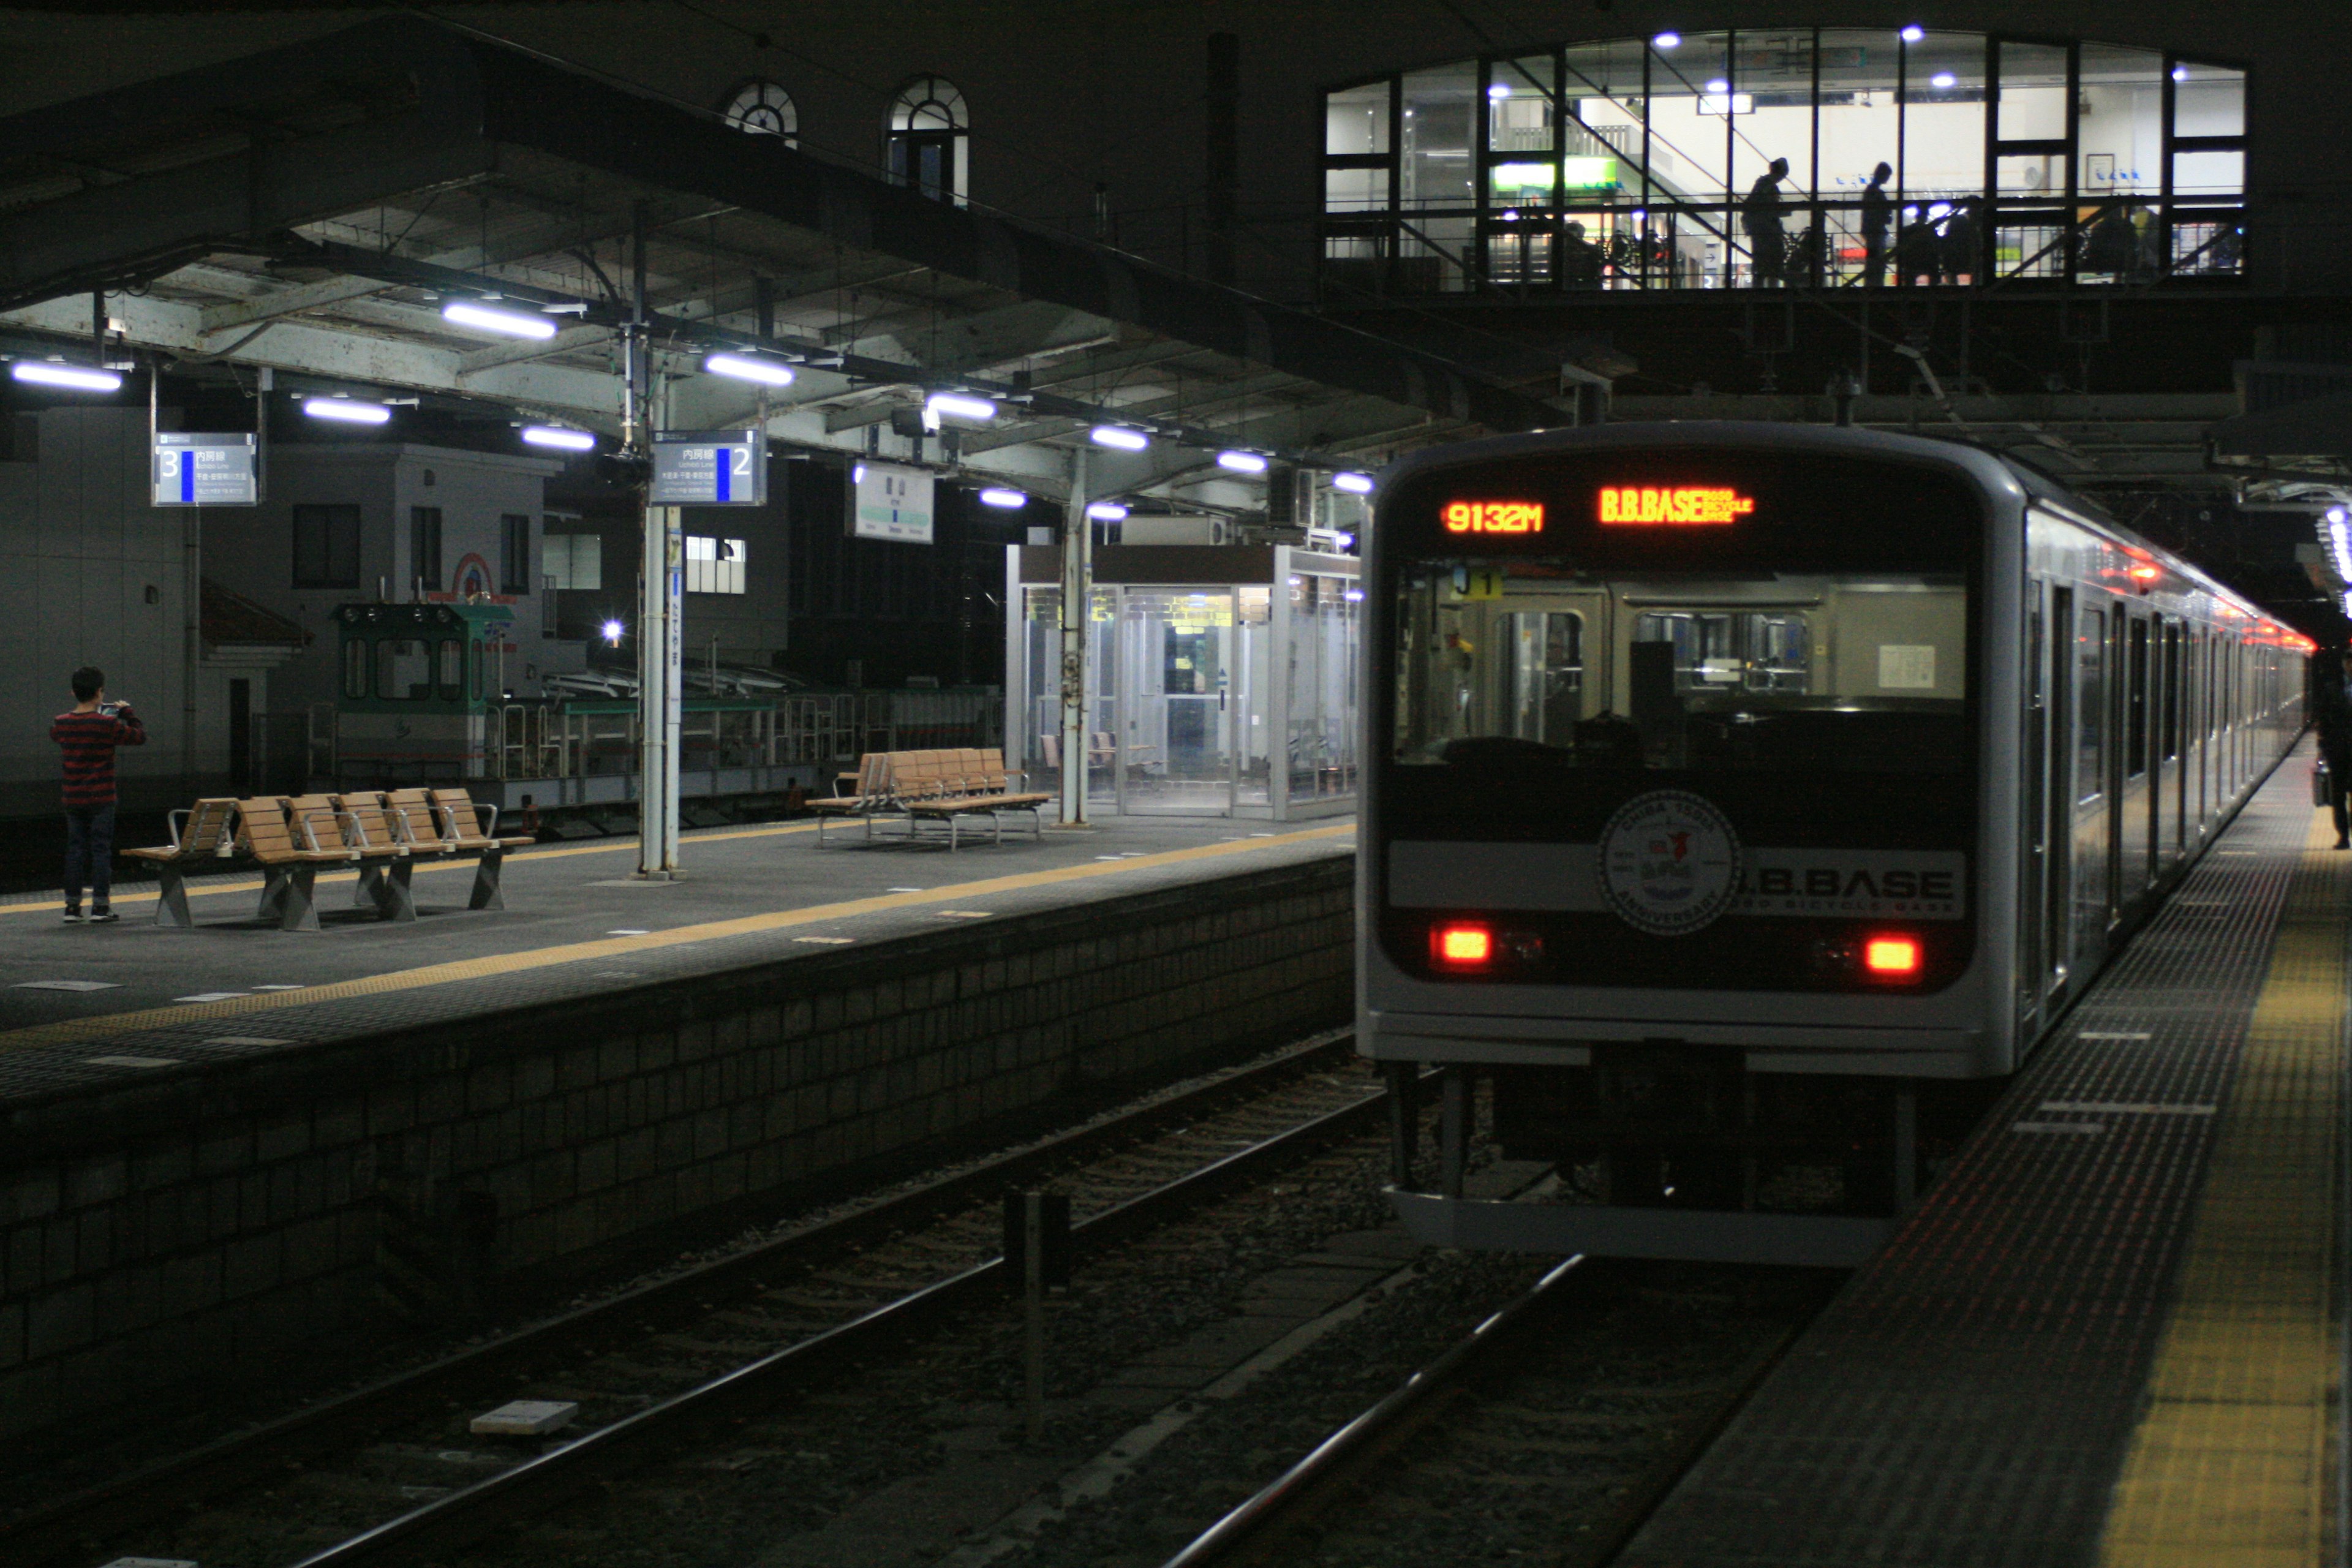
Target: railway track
(388,1474)
(1549,1433)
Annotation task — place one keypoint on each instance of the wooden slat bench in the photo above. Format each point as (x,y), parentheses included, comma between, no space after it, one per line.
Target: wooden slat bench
(976,782)
(464,833)
(869,795)
(369,824)
(283,838)
(203,836)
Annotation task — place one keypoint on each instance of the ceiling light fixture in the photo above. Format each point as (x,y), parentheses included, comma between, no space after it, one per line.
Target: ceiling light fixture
(1667,41)
(346,410)
(1121,437)
(1914,33)
(1242,462)
(507,323)
(1105,511)
(1354,484)
(744,367)
(997,496)
(958,406)
(41,373)
(556,435)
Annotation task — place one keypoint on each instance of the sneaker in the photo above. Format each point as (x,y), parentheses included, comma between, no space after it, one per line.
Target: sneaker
(102,917)
(73,917)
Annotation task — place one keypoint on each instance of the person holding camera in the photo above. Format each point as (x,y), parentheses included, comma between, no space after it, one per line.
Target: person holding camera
(90,731)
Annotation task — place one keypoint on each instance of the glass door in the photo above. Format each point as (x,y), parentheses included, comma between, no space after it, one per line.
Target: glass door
(1175,716)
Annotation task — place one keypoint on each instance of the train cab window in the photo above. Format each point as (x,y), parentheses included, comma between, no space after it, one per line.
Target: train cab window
(404,672)
(2091,657)
(451,656)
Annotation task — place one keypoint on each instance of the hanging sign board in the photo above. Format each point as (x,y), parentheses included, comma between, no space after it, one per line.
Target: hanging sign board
(193,470)
(887,501)
(710,468)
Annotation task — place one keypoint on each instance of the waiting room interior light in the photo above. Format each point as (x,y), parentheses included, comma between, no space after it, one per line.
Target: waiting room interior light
(998,496)
(1121,437)
(1500,91)
(1914,33)
(1891,955)
(613,630)
(557,437)
(958,406)
(1105,511)
(744,367)
(41,373)
(1719,84)
(1242,462)
(1667,41)
(1354,484)
(488,319)
(347,410)
(2180,73)
(1943,80)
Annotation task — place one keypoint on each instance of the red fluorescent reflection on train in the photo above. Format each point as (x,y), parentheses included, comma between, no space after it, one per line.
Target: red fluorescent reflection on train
(1462,944)
(1686,505)
(1894,955)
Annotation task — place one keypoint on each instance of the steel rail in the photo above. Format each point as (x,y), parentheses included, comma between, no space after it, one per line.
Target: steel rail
(530,1488)
(63,1529)
(1247,1525)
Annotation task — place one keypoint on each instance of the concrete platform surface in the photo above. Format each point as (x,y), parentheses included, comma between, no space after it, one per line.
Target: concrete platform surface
(90,1006)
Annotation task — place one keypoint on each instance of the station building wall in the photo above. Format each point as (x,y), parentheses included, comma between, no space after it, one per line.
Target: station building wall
(90,573)
(1068,98)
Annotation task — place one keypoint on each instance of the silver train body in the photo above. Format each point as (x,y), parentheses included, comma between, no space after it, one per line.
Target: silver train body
(1746,802)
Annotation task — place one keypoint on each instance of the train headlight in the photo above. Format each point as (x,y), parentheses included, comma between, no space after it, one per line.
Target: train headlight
(1892,957)
(1462,944)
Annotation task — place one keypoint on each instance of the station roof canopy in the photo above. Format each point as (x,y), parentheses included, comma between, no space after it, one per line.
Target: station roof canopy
(316,208)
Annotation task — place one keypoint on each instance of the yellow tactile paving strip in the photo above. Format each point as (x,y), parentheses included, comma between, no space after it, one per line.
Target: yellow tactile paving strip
(517,857)
(494,964)
(2230,1466)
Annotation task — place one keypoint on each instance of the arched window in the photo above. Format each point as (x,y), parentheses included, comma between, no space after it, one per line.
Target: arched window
(764,108)
(929,137)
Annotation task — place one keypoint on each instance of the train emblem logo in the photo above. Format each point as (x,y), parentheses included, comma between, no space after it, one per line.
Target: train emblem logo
(1669,863)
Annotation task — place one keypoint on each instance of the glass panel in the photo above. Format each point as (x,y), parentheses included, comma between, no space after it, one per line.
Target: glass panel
(1688,117)
(1438,109)
(1944,127)
(1545,678)
(2208,101)
(452,676)
(2090,651)
(1602,95)
(1039,743)
(1432,253)
(1859,133)
(1519,106)
(1321,746)
(2032,92)
(2120,130)
(2036,177)
(1355,190)
(2209,243)
(1355,119)
(1774,74)
(2029,244)
(2198,176)
(2118,242)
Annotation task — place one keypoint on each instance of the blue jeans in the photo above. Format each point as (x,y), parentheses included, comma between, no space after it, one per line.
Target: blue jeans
(89,850)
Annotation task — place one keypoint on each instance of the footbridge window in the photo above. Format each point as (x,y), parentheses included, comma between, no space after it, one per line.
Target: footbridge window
(930,139)
(1831,158)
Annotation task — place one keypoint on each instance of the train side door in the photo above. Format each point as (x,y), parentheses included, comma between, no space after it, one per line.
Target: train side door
(2116,713)
(2093,845)
(2032,939)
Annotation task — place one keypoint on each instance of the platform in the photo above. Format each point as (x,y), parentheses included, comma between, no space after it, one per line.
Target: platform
(2114,1332)
(86,1007)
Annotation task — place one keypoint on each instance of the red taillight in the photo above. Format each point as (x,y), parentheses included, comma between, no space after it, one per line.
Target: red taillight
(1891,955)
(1462,944)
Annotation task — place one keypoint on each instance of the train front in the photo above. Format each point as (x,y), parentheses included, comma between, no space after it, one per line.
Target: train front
(1673,829)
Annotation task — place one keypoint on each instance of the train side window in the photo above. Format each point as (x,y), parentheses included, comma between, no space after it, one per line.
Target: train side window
(2171,727)
(1547,675)
(355,667)
(451,656)
(2136,700)
(404,672)
(2091,706)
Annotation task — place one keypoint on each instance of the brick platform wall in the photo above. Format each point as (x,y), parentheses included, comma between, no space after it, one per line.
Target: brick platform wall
(211,1230)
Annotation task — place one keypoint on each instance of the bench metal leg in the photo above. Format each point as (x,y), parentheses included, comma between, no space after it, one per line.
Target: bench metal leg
(486,881)
(171,899)
(370,888)
(273,893)
(296,888)
(394,900)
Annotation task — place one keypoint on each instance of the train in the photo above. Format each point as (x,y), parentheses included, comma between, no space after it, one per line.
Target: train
(1746,801)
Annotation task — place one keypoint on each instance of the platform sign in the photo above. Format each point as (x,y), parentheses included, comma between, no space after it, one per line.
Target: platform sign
(193,470)
(889,501)
(710,468)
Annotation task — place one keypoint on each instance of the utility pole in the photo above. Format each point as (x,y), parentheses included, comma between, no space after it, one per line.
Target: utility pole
(1077,595)
(659,632)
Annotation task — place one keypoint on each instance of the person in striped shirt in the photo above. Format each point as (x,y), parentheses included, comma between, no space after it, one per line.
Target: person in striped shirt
(88,734)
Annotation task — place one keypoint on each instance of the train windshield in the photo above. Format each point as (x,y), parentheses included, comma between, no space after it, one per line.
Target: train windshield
(1855,671)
